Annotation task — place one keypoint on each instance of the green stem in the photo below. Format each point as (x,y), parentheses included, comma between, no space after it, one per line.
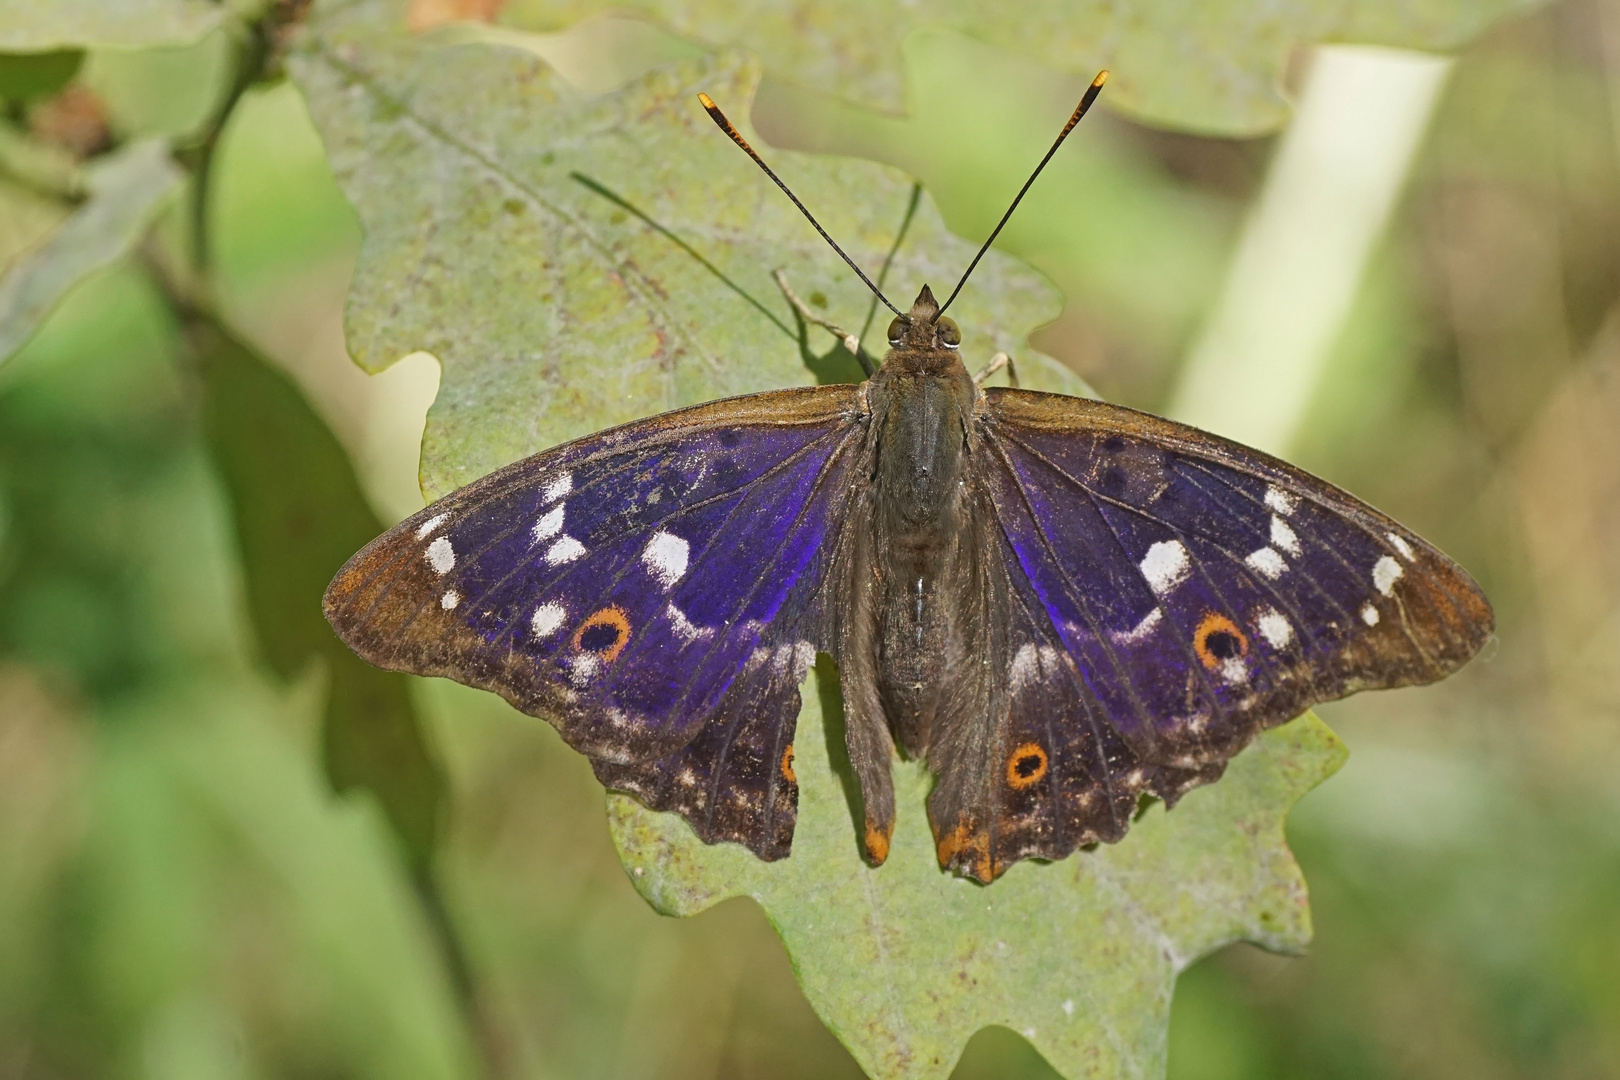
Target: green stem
(255,54)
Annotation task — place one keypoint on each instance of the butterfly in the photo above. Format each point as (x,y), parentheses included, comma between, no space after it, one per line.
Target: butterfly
(1059,605)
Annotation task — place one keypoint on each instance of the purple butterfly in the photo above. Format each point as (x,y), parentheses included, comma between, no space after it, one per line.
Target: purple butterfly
(1059,605)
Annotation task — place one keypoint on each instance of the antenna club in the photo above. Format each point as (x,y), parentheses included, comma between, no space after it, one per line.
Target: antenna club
(708,102)
(1102,77)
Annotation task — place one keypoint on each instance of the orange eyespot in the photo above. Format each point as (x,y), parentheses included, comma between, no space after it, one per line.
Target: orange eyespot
(1026,766)
(1218,640)
(947,333)
(605,632)
(787,765)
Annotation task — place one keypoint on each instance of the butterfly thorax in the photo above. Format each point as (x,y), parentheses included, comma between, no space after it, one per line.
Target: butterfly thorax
(922,407)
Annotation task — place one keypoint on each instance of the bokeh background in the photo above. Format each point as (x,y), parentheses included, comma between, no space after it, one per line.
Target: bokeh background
(183,895)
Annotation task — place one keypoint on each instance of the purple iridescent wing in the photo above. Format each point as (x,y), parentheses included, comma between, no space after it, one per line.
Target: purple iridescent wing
(1168,595)
(654,591)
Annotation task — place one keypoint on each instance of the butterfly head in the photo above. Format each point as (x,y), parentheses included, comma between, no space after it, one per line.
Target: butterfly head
(923,327)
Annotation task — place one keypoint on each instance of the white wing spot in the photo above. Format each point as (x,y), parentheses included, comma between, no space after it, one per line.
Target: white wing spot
(1028,663)
(1401,546)
(549,525)
(441,556)
(1267,562)
(1165,566)
(1024,666)
(1235,670)
(666,556)
(684,628)
(559,487)
(1386,572)
(565,550)
(1275,628)
(546,619)
(1140,630)
(584,668)
(449,600)
(1280,501)
(1282,536)
(1369,615)
(430,524)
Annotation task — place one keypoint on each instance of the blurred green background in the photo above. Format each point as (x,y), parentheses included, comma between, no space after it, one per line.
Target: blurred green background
(182,894)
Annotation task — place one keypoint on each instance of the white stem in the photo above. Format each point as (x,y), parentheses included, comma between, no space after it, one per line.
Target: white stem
(1327,199)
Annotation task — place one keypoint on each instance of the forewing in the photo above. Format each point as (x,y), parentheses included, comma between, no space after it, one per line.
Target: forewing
(1169,595)
(654,591)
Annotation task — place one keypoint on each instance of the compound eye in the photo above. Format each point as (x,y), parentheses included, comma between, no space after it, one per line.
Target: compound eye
(949,336)
(897,330)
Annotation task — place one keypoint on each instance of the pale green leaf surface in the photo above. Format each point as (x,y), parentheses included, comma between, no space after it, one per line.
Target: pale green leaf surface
(1214,67)
(41,25)
(576,261)
(127,189)
(905,962)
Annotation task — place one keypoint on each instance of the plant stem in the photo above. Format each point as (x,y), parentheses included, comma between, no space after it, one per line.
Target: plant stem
(254,56)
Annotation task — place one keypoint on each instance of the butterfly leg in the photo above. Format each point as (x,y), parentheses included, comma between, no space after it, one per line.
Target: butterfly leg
(997,362)
(850,341)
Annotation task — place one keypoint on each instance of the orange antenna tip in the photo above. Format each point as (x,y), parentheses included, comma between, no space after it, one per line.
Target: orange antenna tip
(1102,77)
(708,102)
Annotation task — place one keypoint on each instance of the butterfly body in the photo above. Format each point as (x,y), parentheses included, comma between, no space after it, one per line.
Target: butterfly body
(1058,605)
(909,628)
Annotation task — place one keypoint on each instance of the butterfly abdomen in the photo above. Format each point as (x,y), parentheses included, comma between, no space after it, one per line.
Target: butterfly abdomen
(919,519)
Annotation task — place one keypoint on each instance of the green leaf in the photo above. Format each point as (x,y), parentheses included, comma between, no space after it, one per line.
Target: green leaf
(577,261)
(48,25)
(905,962)
(26,76)
(1213,67)
(127,189)
(299,514)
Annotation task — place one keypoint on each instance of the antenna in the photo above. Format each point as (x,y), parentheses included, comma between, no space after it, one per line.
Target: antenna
(1079,110)
(725,125)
